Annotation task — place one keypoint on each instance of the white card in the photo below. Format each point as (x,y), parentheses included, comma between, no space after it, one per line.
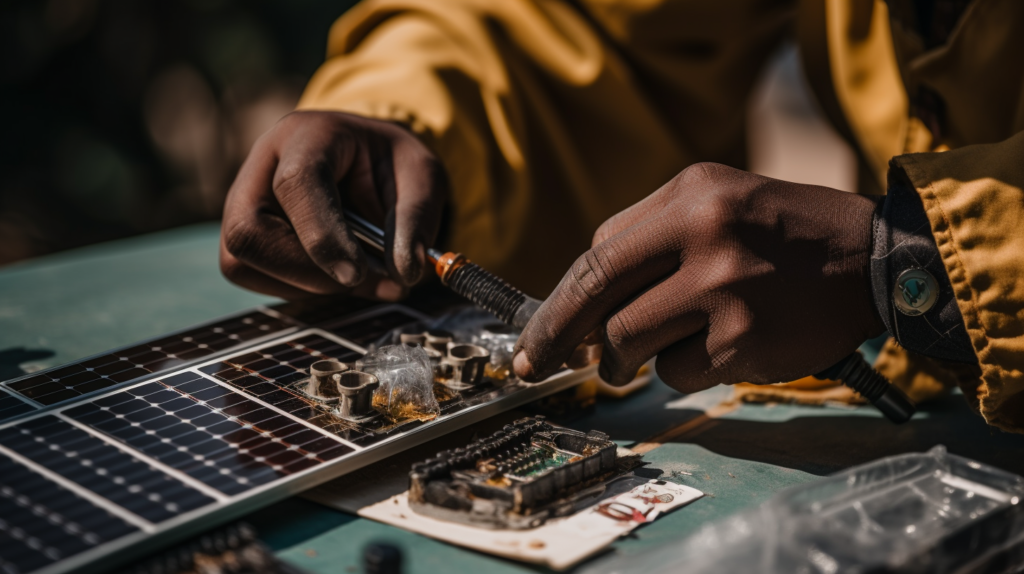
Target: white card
(560,542)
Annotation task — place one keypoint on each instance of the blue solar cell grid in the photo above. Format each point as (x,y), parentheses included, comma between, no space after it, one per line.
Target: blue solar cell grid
(77,379)
(41,522)
(212,434)
(101,468)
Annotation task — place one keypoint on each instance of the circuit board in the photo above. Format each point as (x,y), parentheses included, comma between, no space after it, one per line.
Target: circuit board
(111,457)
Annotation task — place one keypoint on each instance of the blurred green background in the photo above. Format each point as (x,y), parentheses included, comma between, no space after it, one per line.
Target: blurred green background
(124,117)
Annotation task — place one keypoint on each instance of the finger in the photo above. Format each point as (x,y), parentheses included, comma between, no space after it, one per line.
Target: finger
(244,276)
(663,314)
(685,364)
(375,287)
(255,234)
(707,358)
(413,225)
(304,185)
(598,282)
(266,242)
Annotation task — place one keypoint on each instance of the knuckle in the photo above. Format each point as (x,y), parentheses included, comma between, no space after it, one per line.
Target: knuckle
(265,139)
(711,213)
(232,269)
(624,349)
(242,239)
(677,374)
(294,177)
(698,173)
(590,273)
(285,126)
(606,230)
(623,332)
(720,278)
(297,117)
(322,246)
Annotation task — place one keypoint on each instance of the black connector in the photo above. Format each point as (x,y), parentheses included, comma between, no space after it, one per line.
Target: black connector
(856,373)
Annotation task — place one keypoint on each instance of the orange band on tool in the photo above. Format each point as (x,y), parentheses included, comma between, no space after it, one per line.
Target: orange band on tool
(448,263)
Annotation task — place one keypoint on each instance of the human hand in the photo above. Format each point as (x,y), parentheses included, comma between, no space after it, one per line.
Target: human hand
(725,275)
(283,232)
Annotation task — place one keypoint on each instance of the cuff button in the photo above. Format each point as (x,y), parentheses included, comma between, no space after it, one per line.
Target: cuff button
(916,292)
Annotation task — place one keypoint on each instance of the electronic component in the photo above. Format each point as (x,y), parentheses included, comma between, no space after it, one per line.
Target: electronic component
(517,478)
(356,388)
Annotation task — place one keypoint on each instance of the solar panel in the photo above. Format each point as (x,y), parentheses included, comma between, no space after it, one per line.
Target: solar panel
(68,382)
(143,459)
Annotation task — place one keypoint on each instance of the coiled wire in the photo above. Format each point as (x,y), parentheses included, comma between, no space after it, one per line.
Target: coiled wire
(486,290)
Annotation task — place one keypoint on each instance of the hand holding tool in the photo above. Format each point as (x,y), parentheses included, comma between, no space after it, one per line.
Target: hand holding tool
(515,308)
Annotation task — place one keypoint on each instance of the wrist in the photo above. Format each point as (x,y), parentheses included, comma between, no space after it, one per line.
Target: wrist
(856,221)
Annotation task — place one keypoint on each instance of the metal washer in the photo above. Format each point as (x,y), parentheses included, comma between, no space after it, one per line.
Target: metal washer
(916,292)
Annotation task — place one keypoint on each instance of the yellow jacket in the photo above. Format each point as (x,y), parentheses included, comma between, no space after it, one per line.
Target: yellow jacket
(552,115)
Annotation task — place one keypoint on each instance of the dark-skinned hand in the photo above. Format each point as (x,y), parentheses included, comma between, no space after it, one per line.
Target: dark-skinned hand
(725,276)
(283,232)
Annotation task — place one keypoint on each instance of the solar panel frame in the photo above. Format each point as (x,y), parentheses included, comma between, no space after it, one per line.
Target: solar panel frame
(226,507)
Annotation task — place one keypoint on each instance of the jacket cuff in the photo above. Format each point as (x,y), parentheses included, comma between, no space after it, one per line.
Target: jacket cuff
(911,288)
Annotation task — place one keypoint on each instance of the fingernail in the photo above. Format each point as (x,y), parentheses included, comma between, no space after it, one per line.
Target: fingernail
(388,290)
(521,365)
(346,273)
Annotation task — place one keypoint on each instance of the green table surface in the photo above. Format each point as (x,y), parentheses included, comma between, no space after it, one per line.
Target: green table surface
(78,303)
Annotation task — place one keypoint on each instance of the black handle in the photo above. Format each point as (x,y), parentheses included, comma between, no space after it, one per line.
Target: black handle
(491,292)
(856,373)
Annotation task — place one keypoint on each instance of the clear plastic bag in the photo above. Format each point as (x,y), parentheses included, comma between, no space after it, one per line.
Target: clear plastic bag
(406,377)
(930,512)
(472,325)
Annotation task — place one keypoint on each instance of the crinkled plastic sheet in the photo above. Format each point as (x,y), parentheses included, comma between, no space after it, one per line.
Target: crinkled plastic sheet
(930,512)
(406,377)
(467,325)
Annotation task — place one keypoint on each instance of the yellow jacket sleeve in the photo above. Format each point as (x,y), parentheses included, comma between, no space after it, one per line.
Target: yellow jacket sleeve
(551,115)
(974,199)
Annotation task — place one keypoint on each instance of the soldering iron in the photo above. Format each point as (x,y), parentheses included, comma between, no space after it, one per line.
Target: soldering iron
(515,308)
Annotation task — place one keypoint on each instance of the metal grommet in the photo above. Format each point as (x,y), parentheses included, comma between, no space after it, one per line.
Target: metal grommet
(916,292)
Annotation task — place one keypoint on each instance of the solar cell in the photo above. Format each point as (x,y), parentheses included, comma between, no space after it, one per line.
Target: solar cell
(41,522)
(103,469)
(216,436)
(71,381)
